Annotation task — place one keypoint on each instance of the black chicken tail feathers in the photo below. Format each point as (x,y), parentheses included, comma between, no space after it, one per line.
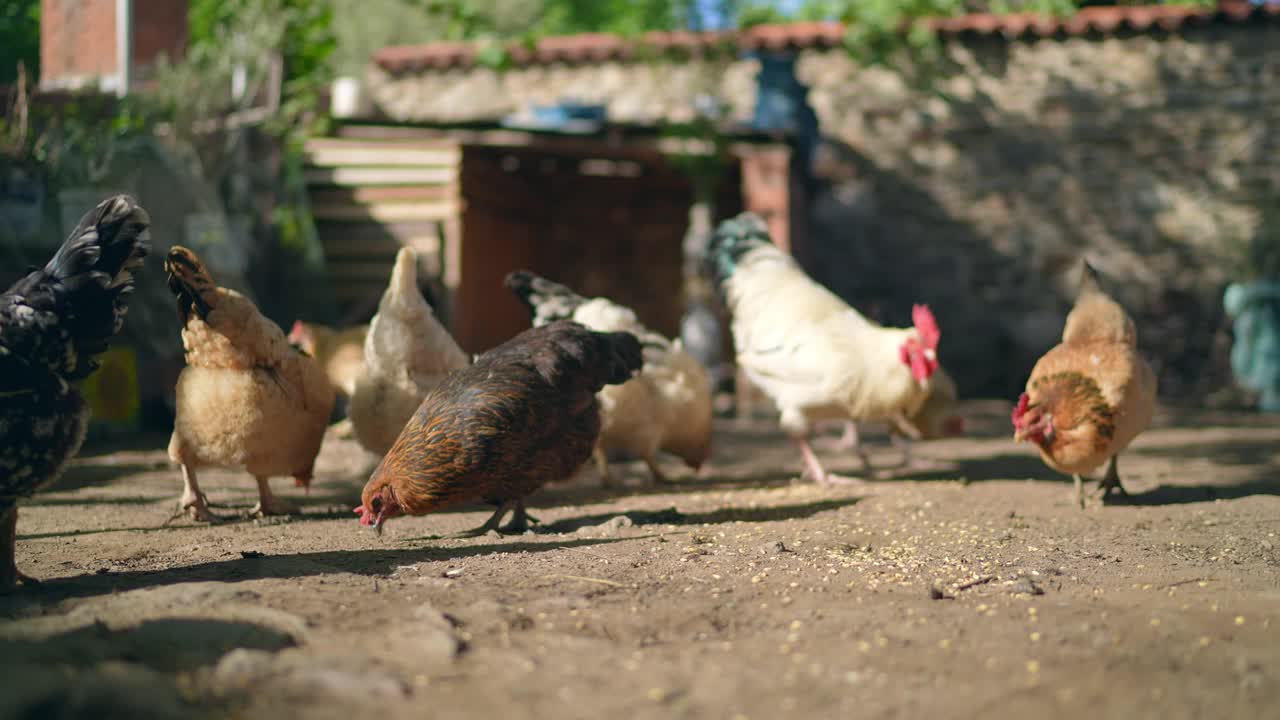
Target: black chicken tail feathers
(107,245)
(94,273)
(61,317)
(625,357)
(547,301)
(734,238)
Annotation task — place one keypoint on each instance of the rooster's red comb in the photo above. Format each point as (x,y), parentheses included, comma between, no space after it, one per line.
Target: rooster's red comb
(926,326)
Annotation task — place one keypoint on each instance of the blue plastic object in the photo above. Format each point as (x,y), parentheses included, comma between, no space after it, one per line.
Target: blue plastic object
(1255,356)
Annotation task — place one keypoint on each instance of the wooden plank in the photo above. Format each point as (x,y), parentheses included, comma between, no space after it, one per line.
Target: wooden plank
(387,212)
(357,250)
(415,141)
(374,273)
(395,156)
(379,176)
(369,195)
(349,291)
(338,246)
(400,231)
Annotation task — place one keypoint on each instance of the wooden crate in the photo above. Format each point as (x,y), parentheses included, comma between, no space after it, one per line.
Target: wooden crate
(370,196)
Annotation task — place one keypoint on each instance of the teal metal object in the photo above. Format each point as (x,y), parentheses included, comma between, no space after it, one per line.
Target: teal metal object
(1255,356)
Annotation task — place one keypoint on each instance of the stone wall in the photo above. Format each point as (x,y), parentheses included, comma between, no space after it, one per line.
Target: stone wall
(1150,153)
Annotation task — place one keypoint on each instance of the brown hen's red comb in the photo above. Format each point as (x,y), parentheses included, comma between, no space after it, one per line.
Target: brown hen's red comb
(1023,403)
(365,519)
(926,326)
(296,331)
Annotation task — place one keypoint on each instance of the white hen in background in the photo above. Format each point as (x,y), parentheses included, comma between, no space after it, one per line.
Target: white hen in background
(406,353)
(666,406)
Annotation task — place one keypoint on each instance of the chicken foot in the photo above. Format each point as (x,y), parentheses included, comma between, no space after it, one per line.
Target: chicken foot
(814,469)
(9,573)
(849,441)
(1111,480)
(1079,489)
(269,504)
(602,464)
(658,477)
(519,522)
(194,502)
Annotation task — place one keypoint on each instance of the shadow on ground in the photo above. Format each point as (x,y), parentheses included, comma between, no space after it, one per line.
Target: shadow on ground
(372,563)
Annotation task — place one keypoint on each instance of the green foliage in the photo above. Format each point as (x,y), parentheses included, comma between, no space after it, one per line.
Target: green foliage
(19,38)
(225,34)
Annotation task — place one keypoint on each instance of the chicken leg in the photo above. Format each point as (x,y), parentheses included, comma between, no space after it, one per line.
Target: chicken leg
(849,440)
(1079,489)
(658,477)
(193,502)
(519,522)
(814,469)
(905,444)
(9,573)
(269,504)
(602,464)
(1111,479)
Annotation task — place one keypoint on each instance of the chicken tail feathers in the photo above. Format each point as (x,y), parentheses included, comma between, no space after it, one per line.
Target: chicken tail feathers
(734,238)
(624,357)
(190,282)
(547,301)
(1089,283)
(62,317)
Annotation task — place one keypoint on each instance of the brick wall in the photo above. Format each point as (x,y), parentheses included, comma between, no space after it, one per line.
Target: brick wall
(77,41)
(159,28)
(78,38)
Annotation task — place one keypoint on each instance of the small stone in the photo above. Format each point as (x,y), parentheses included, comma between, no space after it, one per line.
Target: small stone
(1025,585)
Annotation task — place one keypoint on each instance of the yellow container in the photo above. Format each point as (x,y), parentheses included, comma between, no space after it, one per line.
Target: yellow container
(112,391)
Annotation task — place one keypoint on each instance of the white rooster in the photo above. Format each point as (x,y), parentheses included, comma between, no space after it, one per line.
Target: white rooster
(666,406)
(808,350)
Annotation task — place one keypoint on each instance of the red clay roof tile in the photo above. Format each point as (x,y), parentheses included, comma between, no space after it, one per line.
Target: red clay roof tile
(597,47)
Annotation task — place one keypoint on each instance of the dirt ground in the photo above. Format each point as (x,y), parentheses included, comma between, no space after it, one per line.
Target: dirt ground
(972,588)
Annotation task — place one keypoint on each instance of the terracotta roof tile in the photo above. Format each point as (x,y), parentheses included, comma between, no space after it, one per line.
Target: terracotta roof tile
(597,47)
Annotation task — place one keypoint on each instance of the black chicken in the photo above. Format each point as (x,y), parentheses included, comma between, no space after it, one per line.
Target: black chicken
(53,324)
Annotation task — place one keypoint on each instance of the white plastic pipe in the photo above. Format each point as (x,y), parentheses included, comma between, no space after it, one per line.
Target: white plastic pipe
(124,46)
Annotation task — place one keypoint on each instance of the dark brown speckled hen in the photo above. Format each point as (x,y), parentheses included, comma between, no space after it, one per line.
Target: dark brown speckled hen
(523,414)
(54,323)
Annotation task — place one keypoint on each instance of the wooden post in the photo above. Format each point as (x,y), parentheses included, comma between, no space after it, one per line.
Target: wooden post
(766,186)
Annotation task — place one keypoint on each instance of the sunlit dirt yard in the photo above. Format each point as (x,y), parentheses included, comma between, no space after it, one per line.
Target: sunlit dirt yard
(970,588)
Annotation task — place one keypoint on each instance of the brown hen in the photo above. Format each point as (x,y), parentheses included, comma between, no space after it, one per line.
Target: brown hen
(1091,395)
(523,414)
